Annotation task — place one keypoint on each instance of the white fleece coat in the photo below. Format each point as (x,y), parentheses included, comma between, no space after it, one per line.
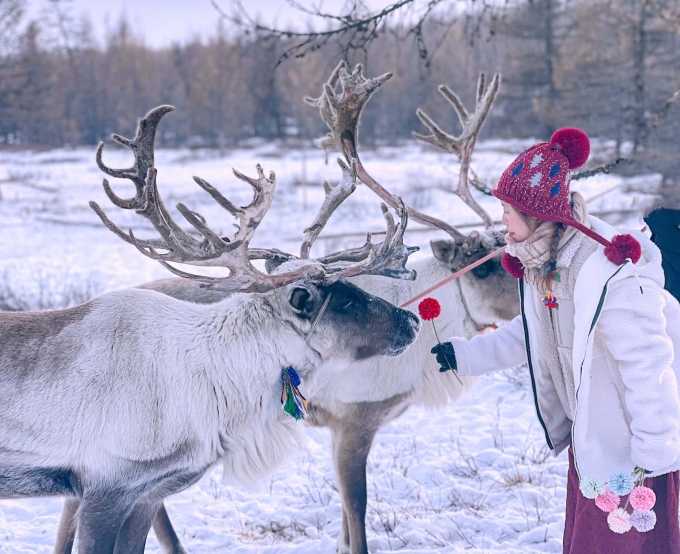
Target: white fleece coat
(627,330)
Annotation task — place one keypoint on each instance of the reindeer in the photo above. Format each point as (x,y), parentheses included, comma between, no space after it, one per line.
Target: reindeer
(135,395)
(371,393)
(356,409)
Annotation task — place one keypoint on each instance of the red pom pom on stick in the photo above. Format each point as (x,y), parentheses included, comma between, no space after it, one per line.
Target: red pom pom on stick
(574,144)
(429,309)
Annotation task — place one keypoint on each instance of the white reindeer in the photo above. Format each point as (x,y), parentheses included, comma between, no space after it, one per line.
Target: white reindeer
(135,395)
(357,408)
(371,393)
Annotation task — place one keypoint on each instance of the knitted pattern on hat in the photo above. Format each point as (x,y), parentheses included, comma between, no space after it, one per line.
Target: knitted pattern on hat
(537,183)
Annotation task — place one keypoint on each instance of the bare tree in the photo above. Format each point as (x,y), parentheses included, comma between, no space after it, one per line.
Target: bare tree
(357,27)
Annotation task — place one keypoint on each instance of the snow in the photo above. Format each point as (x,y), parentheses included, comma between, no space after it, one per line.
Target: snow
(475,477)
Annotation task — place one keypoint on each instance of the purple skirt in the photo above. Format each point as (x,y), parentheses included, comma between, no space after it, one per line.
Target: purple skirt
(586,530)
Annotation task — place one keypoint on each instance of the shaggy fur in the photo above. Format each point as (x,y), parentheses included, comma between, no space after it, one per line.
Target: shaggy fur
(134,395)
(357,402)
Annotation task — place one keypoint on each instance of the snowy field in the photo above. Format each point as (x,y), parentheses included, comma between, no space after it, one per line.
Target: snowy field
(475,477)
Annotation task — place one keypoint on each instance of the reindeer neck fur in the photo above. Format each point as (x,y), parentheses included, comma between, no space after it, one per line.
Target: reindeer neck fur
(414,371)
(255,434)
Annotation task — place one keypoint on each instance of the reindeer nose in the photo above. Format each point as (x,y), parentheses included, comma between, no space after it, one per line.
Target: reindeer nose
(414,322)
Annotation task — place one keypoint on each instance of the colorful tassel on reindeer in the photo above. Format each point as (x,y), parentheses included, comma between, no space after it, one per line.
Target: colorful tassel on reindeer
(292,400)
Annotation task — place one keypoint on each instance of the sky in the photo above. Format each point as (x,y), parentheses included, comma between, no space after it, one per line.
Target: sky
(162,22)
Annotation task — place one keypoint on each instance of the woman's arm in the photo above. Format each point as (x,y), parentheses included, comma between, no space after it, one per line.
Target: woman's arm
(633,327)
(500,349)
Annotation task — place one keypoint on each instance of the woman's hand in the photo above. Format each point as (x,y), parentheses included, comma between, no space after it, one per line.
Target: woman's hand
(446,357)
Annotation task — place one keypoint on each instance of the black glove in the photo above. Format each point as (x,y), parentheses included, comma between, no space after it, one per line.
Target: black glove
(446,357)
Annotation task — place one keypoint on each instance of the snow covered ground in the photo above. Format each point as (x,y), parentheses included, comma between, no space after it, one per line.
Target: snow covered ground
(474,477)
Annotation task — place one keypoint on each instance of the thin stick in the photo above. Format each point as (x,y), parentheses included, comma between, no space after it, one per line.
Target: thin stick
(455,372)
(455,275)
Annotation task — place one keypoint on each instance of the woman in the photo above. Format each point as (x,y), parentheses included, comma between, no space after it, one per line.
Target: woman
(599,333)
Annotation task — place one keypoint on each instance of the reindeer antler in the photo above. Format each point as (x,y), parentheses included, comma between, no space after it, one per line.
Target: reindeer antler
(388,259)
(344,97)
(334,196)
(463,145)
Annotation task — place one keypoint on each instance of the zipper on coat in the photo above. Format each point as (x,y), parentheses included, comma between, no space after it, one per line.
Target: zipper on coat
(592,326)
(531,368)
(555,324)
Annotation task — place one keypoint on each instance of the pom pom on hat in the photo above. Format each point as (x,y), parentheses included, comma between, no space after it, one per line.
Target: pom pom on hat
(617,250)
(512,265)
(574,144)
(622,247)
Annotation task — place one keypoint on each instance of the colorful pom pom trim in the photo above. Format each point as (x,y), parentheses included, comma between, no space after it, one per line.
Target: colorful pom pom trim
(643,521)
(591,487)
(607,499)
(621,483)
(642,499)
(619,521)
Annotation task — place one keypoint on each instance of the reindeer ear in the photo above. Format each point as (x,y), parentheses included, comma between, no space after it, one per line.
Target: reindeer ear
(303,300)
(447,252)
(271,265)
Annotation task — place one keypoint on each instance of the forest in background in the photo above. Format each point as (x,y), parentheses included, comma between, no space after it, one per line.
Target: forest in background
(611,67)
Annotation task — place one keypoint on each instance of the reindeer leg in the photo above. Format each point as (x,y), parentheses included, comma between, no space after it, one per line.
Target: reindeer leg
(352,443)
(100,517)
(134,531)
(165,533)
(66,533)
(342,546)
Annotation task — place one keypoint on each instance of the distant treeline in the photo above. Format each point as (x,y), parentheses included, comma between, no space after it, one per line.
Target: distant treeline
(606,66)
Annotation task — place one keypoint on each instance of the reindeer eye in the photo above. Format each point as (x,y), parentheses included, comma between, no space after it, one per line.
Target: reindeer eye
(347,306)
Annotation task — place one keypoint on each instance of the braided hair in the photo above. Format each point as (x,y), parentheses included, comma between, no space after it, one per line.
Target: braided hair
(548,275)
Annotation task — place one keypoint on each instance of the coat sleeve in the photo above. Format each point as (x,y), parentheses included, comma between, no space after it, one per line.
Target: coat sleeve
(500,349)
(633,326)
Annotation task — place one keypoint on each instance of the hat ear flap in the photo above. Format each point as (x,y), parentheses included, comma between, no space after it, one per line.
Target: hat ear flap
(512,265)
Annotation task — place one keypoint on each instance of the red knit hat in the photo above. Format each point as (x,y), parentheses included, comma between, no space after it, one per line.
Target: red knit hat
(537,183)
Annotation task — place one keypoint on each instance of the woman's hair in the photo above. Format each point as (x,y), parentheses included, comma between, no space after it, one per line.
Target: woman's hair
(530,221)
(544,277)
